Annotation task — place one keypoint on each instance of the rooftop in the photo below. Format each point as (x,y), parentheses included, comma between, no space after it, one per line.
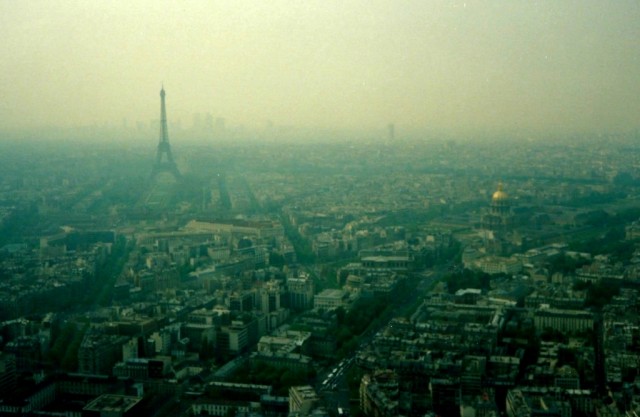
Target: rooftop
(110,402)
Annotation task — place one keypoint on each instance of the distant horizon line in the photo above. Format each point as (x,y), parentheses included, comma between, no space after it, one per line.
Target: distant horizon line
(147,136)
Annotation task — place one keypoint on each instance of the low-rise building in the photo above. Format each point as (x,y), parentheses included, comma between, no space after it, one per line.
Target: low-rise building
(113,406)
(562,320)
(331,299)
(302,399)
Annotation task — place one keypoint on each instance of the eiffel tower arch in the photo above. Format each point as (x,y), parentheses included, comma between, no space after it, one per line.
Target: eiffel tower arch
(164,159)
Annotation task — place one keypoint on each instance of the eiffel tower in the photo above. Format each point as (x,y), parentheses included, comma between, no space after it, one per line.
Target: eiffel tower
(164,159)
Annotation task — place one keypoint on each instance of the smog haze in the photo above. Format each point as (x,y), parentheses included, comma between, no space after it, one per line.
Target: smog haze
(433,66)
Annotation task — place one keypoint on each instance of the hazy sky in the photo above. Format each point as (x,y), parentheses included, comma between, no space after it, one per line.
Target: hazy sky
(425,64)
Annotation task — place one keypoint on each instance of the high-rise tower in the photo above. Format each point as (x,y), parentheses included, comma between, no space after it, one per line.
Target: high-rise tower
(164,159)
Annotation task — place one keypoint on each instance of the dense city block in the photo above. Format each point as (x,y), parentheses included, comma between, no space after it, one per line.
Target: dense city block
(412,278)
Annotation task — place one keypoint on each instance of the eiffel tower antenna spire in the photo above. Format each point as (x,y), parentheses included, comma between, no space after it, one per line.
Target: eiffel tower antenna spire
(164,158)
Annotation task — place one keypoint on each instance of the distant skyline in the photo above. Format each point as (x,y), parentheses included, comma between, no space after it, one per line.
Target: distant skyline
(447,66)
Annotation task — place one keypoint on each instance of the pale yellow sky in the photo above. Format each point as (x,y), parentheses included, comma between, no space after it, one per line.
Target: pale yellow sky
(435,65)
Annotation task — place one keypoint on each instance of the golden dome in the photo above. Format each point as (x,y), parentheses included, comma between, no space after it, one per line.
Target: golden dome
(499,195)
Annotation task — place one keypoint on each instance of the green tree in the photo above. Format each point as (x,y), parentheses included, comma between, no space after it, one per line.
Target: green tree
(467,279)
(206,349)
(602,292)
(70,359)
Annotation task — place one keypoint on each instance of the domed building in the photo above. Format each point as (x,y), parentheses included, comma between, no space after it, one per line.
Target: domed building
(500,216)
